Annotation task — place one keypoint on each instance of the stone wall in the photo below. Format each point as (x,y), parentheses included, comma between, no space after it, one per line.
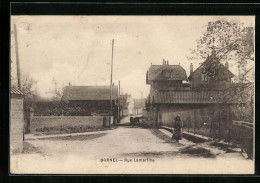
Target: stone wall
(39,122)
(16,125)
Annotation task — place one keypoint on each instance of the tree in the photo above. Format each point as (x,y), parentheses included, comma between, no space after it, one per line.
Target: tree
(27,84)
(228,40)
(57,92)
(224,39)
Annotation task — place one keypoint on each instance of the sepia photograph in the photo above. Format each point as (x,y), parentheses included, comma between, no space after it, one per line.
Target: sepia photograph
(132,94)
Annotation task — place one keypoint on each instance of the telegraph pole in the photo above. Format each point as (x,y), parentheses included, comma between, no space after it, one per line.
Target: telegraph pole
(119,86)
(111,83)
(17,58)
(119,107)
(17,65)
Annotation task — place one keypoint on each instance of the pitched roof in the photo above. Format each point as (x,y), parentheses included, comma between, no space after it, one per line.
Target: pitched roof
(89,93)
(190,97)
(16,91)
(221,66)
(177,72)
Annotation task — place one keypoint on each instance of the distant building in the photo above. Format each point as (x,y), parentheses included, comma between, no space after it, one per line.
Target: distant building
(92,99)
(200,80)
(126,105)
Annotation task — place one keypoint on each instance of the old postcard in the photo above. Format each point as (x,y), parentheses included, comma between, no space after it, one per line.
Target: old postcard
(132,94)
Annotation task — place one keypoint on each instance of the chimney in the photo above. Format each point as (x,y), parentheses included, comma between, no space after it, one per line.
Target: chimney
(191,69)
(213,53)
(163,61)
(226,64)
(167,62)
(69,84)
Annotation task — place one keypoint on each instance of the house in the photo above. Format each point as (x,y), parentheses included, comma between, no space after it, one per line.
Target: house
(169,96)
(208,107)
(91,99)
(166,77)
(16,121)
(219,80)
(126,105)
(210,103)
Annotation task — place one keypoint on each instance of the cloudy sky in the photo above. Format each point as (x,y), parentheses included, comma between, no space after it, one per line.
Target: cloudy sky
(77,49)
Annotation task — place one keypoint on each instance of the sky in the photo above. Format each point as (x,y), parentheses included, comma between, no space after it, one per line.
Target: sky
(78,49)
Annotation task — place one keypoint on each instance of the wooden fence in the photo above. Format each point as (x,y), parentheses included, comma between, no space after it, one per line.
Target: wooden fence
(240,133)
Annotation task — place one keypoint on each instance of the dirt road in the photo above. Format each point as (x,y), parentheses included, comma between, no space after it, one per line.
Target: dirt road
(125,150)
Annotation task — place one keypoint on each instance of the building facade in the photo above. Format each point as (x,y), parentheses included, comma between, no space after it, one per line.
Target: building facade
(126,104)
(194,101)
(16,121)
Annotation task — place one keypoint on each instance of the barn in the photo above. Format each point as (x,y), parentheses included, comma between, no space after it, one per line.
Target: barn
(91,99)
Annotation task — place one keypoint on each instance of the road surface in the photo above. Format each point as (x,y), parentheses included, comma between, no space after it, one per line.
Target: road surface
(125,150)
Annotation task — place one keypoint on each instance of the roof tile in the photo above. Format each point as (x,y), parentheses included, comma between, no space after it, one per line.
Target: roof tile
(16,91)
(155,72)
(89,93)
(191,96)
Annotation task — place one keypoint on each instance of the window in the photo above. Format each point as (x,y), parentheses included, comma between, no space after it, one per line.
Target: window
(167,74)
(204,77)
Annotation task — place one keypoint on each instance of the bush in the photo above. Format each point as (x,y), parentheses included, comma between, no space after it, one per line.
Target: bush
(65,129)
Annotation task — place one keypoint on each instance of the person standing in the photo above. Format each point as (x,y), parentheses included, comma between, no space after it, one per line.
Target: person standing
(177,131)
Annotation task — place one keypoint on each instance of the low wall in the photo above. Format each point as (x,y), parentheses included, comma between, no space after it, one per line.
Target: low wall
(39,122)
(189,136)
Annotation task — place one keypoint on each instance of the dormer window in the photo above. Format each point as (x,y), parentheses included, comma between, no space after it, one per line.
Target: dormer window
(167,74)
(204,78)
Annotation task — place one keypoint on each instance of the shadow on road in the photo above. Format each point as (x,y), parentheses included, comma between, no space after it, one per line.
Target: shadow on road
(189,151)
(197,151)
(123,124)
(76,137)
(152,154)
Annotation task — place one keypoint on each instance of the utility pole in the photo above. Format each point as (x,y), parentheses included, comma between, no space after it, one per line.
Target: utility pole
(119,105)
(18,65)
(119,86)
(17,58)
(111,83)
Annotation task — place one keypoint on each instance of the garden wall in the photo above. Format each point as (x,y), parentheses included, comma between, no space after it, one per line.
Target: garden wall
(40,122)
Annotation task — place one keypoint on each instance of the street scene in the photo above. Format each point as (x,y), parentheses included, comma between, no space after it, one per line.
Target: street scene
(132,95)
